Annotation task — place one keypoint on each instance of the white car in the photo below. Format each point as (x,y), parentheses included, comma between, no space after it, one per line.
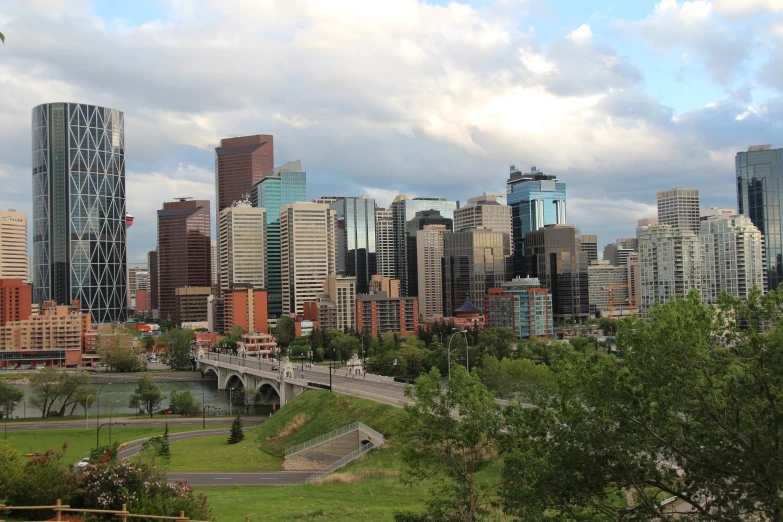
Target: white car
(84,462)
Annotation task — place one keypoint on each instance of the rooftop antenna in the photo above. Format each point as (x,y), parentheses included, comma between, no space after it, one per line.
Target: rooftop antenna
(183,199)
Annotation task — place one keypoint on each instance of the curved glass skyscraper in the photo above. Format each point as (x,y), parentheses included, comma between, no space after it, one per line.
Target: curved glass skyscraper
(79,233)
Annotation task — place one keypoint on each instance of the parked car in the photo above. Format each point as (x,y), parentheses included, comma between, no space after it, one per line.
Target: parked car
(82,463)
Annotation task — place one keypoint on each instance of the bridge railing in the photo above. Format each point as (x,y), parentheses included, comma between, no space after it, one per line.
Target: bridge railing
(340,463)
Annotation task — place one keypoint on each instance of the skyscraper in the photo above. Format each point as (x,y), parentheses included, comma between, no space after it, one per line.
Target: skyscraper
(240,163)
(760,197)
(403,211)
(419,222)
(521,305)
(184,251)
(588,243)
(430,245)
(536,200)
(279,187)
(384,242)
(152,266)
(679,207)
(356,240)
(553,256)
(670,264)
(732,257)
(13,245)
(79,234)
(242,230)
(308,252)
(483,211)
(474,261)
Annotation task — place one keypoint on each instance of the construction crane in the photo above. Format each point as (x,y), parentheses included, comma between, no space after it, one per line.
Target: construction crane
(611,288)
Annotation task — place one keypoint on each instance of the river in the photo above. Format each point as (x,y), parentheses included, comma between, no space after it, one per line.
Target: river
(115,397)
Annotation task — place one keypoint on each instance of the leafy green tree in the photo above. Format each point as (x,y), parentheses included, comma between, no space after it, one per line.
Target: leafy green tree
(345,346)
(495,342)
(84,397)
(43,480)
(147,395)
(9,396)
(45,388)
(249,398)
(691,412)
(519,378)
(108,452)
(118,350)
(237,435)
(70,386)
(158,446)
(286,331)
(178,344)
(450,452)
(183,403)
(11,469)
(235,333)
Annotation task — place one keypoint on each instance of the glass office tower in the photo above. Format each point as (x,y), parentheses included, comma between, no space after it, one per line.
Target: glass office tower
(356,240)
(536,200)
(759,190)
(79,234)
(281,186)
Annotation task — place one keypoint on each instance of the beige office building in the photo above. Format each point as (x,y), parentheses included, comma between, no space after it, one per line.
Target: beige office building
(192,303)
(13,245)
(384,242)
(242,230)
(337,303)
(608,289)
(388,285)
(308,252)
(430,247)
(679,208)
(484,211)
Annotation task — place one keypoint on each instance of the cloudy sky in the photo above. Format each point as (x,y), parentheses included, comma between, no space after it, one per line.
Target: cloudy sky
(617,98)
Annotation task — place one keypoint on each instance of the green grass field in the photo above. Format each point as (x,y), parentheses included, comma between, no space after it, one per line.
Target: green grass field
(215,454)
(80,441)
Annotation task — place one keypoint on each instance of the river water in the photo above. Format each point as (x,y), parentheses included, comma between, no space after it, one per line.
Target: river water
(115,397)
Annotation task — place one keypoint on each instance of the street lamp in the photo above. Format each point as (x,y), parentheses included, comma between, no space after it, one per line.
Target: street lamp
(5,435)
(98,415)
(86,403)
(448,351)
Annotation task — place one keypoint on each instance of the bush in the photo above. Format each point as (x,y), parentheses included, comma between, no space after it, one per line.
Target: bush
(183,403)
(43,480)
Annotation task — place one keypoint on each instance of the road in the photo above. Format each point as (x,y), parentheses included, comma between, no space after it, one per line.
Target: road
(131,421)
(380,390)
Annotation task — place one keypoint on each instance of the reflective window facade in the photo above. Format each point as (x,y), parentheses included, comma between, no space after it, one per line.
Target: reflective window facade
(281,186)
(356,240)
(79,234)
(759,176)
(536,200)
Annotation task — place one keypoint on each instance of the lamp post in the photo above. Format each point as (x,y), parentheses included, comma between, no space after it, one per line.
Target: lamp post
(110,410)
(5,435)
(86,403)
(448,351)
(98,416)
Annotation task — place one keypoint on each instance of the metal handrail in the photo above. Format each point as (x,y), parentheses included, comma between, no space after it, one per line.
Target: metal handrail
(379,440)
(334,466)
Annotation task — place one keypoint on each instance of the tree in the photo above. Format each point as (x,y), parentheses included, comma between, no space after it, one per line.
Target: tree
(158,446)
(237,435)
(236,332)
(286,331)
(147,395)
(250,398)
(9,396)
(69,385)
(520,378)
(2,38)
(11,468)
(118,351)
(691,412)
(84,397)
(451,452)
(178,344)
(183,403)
(45,387)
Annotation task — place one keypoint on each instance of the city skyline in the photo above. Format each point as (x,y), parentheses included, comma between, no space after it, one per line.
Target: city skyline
(610,93)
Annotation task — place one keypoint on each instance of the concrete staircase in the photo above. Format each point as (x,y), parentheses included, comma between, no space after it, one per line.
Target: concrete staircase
(333,450)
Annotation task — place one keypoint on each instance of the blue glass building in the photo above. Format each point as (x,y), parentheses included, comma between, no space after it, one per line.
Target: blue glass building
(356,240)
(536,200)
(79,234)
(281,186)
(760,197)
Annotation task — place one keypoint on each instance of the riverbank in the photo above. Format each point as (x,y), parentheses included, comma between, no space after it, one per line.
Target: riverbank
(102,378)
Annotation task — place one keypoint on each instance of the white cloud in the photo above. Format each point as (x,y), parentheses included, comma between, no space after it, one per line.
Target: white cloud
(582,34)
(747,7)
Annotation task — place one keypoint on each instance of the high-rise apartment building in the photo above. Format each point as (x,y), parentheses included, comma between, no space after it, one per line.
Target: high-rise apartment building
(521,305)
(419,222)
(474,261)
(384,242)
(617,253)
(679,207)
(536,200)
(715,212)
(13,245)
(136,272)
(484,211)
(214,270)
(16,300)
(79,229)
(279,187)
(184,250)
(191,303)
(760,197)
(245,306)
(242,230)
(430,247)
(378,314)
(588,243)
(634,278)
(732,256)
(379,283)
(608,290)
(152,266)
(240,163)
(341,291)
(644,224)
(403,211)
(308,248)
(356,256)
(554,257)
(670,264)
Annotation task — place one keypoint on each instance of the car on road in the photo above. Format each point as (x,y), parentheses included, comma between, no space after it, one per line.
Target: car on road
(275,368)
(84,462)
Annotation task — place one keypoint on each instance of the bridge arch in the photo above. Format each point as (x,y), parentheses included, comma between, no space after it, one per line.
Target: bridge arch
(232,378)
(210,369)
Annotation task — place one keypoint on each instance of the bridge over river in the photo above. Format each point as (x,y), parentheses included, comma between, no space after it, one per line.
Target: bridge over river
(291,379)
